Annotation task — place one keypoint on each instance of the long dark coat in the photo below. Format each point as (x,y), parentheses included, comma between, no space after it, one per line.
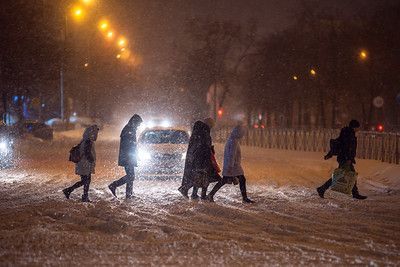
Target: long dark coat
(128,146)
(87,164)
(348,146)
(198,165)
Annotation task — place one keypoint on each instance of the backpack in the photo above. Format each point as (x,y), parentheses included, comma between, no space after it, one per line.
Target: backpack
(334,148)
(75,154)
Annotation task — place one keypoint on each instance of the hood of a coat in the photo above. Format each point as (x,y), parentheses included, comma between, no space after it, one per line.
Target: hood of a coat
(135,121)
(200,132)
(91,133)
(237,132)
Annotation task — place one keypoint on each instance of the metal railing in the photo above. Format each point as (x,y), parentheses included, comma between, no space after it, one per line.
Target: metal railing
(371,145)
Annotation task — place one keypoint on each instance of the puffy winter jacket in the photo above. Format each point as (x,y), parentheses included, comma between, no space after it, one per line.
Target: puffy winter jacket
(87,163)
(232,153)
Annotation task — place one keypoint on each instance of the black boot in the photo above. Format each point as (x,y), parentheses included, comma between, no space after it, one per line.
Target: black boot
(85,199)
(194,195)
(210,198)
(321,191)
(248,200)
(112,189)
(358,196)
(183,191)
(204,193)
(67,192)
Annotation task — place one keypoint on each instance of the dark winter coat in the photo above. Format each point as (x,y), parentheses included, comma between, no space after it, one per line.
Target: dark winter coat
(348,146)
(87,164)
(198,166)
(128,146)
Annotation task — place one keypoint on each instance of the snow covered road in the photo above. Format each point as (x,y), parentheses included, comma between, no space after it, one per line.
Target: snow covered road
(289,224)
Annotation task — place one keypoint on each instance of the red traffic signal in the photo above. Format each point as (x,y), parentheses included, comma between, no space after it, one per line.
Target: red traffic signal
(220,112)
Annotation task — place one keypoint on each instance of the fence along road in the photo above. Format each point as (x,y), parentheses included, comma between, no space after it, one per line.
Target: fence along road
(371,145)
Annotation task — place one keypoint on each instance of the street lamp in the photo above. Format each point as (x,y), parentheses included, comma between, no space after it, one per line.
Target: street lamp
(363,54)
(118,56)
(122,42)
(313,72)
(110,35)
(295,77)
(87,2)
(77,13)
(103,25)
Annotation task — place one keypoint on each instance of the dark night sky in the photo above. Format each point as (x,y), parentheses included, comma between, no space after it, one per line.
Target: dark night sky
(154,25)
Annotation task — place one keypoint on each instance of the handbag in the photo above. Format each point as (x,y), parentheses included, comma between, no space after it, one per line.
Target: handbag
(343,180)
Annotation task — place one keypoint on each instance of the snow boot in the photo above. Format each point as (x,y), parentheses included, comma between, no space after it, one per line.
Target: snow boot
(358,196)
(67,192)
(112,189)
(203,194)
(183,192)
(248,200)
(321,192)
(86,199)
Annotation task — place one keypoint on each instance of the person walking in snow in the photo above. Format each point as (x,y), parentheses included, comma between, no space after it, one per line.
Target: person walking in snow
(127,156)
(346,156)
(199,169)
(232,170)
(87,163)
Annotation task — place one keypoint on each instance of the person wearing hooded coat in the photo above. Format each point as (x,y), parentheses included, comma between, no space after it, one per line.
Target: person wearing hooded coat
(232,170)
(346,156)
(199,170)
(127,156)
(86,165)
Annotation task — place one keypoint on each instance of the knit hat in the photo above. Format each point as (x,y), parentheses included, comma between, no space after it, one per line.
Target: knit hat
(354,124)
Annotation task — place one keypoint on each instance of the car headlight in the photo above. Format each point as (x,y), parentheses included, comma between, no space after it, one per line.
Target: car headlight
(184,155)
(143,155)
(3,146)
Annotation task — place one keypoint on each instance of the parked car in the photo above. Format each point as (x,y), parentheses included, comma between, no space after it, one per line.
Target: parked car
(83,122)
(162,151)
(38,129)
(6,146)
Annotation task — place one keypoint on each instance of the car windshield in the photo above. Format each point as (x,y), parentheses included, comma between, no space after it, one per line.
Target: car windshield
(165,137)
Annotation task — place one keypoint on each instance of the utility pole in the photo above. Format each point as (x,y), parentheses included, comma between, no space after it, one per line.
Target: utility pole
(62,66)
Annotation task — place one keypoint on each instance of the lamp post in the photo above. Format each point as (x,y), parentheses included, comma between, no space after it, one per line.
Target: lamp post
(77,12)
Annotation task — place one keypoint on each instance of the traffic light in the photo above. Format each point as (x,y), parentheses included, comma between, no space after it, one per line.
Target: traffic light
(220,112)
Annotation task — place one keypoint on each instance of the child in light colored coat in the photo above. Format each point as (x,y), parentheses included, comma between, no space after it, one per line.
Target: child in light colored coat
(86,165)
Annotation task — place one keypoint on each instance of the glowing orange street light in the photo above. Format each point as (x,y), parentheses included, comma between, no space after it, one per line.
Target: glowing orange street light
(86,65)
(313,72)
(363,55)
(87,2)
(118,56)
(103,25)
(110,35)
(77,12)
(295,77)
(123,49)
(122,42)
